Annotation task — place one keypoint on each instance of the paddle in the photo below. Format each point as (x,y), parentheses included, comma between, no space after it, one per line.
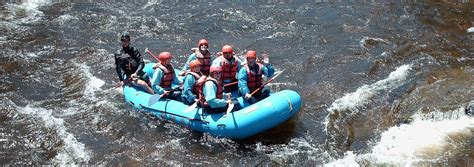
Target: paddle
(191,107)
(154,56)
(229,108)
(230,84)
(153,99)
(126,81)
(270,80)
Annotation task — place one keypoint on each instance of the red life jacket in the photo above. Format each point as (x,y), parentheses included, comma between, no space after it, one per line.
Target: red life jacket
(254,80)
(197,86)
(205,63)
(220,91)
(229,70)
(168,76)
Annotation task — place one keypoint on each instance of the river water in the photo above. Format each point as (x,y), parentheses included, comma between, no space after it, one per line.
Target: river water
(382,83)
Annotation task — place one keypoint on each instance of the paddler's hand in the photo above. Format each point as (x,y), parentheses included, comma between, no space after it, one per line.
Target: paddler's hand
(166,92)
(265,59)
(134,76)
(182,73)
(194,49)
(219,54)
(228,96)
(247,96)
(124,82)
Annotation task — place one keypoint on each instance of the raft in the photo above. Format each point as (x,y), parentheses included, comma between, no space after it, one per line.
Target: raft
(246,122)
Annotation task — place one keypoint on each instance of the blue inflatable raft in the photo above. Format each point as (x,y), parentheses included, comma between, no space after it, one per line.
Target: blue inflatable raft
(246,122)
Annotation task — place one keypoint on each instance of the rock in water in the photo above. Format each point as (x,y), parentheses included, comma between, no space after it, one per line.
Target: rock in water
(470,109)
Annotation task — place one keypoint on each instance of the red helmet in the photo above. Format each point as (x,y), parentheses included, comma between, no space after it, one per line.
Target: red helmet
(227,49)
(203,42)
(194,63)
(251,54)
(164,56)
(215,69)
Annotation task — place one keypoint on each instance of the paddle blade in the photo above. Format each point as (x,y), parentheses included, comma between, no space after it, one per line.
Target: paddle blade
(229,108)
(191,107)
(153,99)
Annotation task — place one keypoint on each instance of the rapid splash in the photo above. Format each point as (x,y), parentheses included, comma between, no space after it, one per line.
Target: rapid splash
(72,152)
(362,95)
(434,137)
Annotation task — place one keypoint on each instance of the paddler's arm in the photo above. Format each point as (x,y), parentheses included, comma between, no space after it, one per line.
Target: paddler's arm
(242,77)
(141,62)
(187,88)
(156,80)
(210,95)
(268,70)
(118,68)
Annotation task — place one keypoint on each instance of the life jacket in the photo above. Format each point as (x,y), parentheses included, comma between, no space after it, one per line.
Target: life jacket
(205,63)
(168,76)
(219,92)
(229,70)
(198,83)
(254,80)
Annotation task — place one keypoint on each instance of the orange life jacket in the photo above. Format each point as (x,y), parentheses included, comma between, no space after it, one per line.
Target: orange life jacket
(219,92)
(198,83)
(205,63)
(168,76)
(229,70)
(254,80)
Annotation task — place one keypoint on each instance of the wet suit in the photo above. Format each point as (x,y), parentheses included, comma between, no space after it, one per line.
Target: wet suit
(129,61)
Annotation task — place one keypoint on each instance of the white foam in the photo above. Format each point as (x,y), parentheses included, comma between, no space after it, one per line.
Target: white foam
(61,20)
(73,151)
(283,83)
(173,144)
(34,4)
(20,16)
(363,94)
(276,35)
(427,138)
(46,50)
(94,84)
(31,55)
(150,3)
(348,160)
(407,143)
(363,41)
(470,30)
(30,8)
(296,147)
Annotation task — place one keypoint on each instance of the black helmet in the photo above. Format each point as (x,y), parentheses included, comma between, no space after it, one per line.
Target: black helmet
(124,36)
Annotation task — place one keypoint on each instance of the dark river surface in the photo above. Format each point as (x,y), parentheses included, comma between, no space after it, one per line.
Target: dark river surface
(382,83)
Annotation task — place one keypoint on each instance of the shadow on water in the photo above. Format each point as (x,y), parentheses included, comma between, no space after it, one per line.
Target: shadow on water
(280,134)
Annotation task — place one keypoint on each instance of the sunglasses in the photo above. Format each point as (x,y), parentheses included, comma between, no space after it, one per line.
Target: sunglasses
(125,40)
(227,53)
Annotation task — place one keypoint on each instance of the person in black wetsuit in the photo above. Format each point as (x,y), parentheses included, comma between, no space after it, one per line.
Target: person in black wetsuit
(129,65)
